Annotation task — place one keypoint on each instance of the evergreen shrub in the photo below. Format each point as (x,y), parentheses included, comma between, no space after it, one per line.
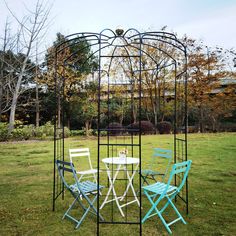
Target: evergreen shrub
(3,131)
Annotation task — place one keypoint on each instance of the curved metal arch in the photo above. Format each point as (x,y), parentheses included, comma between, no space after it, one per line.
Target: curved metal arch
(147,54)
(155,35)
(141,37)
(143,51)
(74,39)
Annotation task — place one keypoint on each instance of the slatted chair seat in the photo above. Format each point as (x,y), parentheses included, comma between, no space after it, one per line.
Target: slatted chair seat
(159,188)
(85,186)
(87,172)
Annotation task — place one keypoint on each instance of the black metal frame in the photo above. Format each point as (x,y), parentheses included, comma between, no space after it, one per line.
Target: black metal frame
(128,51)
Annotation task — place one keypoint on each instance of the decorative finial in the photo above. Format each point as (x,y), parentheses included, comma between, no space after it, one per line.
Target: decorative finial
(119,32)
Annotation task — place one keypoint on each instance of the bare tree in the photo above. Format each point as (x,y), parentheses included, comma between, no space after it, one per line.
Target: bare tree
(32,29)
(6,41)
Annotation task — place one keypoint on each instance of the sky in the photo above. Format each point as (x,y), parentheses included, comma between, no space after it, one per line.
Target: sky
(212,21)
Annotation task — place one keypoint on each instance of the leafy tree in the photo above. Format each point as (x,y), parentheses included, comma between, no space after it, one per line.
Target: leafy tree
(74,63)
(206,96)
(156,77)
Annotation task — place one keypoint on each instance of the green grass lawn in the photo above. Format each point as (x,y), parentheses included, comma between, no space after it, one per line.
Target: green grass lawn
(26,173)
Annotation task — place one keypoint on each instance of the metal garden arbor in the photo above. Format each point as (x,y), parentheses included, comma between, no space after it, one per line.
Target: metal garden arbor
(131,69)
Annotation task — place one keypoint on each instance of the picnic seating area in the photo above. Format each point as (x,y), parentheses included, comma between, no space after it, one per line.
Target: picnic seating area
(156,191)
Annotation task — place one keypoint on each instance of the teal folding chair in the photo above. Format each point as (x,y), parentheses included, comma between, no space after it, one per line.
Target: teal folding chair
(79,190)
(159,191)
(158,166)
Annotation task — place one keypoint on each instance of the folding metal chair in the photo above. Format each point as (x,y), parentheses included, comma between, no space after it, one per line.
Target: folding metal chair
(78,190)
(83,153)
(159,191)
(158,166)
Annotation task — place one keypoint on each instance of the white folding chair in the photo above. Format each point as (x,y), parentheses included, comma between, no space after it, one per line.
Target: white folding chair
(79,155)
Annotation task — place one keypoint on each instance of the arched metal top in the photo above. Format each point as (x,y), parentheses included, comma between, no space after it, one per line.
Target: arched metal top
(127,44)
(108,37)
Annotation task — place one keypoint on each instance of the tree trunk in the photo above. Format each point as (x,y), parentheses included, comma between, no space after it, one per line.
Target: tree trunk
(201,123)
(87,125)
(15,97)
(1,87)
(12,114)
(32,26)
(37,104)
(1,93)
(5,42)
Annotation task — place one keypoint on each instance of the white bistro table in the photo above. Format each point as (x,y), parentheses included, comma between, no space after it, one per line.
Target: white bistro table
(121,164)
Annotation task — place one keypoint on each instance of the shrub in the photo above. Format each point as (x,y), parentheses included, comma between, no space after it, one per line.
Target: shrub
(38,132)
(82,132)
(115,128)
(192,129)
(75,132)
(44,131)
(66,132)
(23,132)
(146,127)
(48,129)
(103,133)
(164,127)
(228,127)
(3,131)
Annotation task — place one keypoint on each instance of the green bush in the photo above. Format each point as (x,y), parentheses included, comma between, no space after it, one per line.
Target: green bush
(44,131)
(81,132)
(38,132)
(66,132)
(3,131)
(103,133)
(23,132)
(74,132)
(48,129)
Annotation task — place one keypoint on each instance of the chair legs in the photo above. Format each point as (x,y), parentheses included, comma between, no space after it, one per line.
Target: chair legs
(159,212)
(86,210)
(144,177)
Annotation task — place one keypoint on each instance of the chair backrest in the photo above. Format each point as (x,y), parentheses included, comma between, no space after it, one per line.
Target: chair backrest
(161,153)
(179,168)
(63,167)
(80,152)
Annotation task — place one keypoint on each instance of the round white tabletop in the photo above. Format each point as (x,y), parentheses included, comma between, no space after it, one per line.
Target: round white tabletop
(120,160)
